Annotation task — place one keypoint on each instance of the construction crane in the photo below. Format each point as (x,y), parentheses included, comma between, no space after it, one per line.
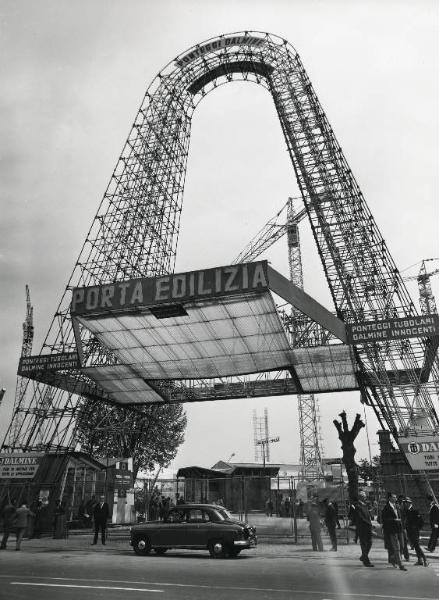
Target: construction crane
(310,447)
(286,221)
(272,231)
(22,382)
(427,300)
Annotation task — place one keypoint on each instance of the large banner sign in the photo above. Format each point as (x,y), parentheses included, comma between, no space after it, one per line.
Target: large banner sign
(218,44)
(169,289)
(422,453)
(29,365)
(19,466)
(392,329)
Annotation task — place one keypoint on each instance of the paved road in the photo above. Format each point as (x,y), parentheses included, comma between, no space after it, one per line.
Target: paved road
(71,570)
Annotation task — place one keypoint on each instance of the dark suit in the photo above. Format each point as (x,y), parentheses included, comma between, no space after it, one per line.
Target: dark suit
(331,522)
(363,525)
(100,515)
(414,523)
(434,524)
(392,528)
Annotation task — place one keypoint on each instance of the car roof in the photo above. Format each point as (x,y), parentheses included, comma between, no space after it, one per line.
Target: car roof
(190,505)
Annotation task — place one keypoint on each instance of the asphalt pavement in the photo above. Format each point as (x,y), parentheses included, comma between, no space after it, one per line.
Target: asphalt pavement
(278,569)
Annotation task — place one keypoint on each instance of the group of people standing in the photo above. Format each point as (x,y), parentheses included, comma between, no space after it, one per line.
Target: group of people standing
(330,519)
(160,505)
(401,523)
(15,520)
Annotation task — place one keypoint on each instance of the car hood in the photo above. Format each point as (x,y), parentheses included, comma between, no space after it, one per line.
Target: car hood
(241,523)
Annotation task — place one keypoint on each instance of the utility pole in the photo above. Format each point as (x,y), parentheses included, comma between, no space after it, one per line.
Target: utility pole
(265,444)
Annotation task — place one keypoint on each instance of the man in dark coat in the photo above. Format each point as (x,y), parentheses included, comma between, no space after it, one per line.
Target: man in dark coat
(9,513)
(414,523)
(434,524)
(100,515)
(363,526)
(392,527)
(331,522)
(403,537)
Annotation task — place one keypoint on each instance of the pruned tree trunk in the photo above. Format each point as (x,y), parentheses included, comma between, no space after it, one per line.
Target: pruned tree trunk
(347,437)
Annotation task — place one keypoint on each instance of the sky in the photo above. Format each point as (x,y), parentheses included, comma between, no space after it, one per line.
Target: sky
(73,76)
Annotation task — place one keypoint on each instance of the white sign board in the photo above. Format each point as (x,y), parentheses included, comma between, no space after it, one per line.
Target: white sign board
(19,466)
(422,452)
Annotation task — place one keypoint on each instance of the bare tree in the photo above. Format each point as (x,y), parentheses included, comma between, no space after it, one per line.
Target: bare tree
(347,437)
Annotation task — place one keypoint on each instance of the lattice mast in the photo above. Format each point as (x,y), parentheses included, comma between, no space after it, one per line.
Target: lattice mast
(427,301)
(135,231)
(22,382)
(311,466)
(260,432)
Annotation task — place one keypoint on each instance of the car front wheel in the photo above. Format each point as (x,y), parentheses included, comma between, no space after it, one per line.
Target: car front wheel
(142,546)
(217,549)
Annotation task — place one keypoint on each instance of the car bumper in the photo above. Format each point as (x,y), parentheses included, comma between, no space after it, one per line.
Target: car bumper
(245,543)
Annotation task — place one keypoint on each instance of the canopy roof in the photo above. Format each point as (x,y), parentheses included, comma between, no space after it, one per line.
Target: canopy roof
(201,325)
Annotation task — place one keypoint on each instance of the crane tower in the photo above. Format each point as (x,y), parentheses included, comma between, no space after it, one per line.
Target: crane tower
(308,408)
(22,382)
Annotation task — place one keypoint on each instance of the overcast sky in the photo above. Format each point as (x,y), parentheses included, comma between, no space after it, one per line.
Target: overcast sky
(73,75)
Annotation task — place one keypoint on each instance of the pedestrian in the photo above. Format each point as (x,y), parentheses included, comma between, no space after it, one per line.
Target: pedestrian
(21,522)
(37,508)
(89,508)
(363,527)
(60,521)
(392,527)
(8,514)
(414,523)
(315,525)
(337,521)
(162,507)
(269,507)
(287,505)
(434,523)
(100,515)
(403,537)
(331,522)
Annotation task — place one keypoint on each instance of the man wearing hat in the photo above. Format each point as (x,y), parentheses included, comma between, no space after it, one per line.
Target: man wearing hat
(363,525)
(414,523)
(392,529)
(434,523)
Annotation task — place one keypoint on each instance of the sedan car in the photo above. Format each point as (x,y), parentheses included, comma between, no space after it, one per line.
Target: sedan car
(194,526)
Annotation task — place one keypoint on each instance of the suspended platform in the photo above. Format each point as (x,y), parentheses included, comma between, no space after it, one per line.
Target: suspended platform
(200,335)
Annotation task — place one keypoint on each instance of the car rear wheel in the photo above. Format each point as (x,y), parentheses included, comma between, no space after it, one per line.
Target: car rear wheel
(160,550)
(142,546)
(217,549)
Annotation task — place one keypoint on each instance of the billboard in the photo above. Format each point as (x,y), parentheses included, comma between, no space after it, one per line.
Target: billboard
(169,289)
(392,329)
(422,452)
(47,362)
(19,466)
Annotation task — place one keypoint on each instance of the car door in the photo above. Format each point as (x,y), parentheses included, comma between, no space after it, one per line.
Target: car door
(199,528)
(171,531)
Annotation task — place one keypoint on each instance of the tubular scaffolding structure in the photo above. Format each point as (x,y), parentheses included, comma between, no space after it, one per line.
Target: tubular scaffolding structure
(135,234)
